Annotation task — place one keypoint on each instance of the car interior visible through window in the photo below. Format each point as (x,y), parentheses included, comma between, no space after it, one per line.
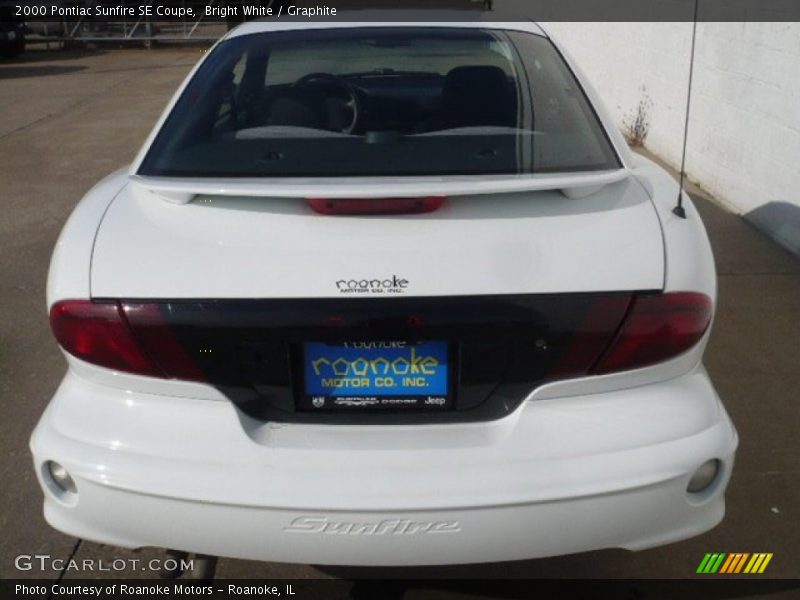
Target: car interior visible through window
(381,101)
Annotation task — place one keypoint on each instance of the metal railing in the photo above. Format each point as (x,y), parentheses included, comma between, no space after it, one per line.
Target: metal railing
(146,29)
(142,28)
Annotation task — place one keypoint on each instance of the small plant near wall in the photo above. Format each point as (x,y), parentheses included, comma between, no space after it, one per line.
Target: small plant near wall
(636,124)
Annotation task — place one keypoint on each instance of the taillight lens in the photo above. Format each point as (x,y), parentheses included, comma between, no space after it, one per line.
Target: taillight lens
(593,335)
(132,338)
(618,332)
(98,333)
(160,343)
(375,206)
(657,327)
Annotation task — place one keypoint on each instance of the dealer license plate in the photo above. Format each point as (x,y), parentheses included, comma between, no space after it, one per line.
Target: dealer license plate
(390,375)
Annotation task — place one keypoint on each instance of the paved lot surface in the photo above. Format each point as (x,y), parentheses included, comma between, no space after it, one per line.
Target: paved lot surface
(69,118)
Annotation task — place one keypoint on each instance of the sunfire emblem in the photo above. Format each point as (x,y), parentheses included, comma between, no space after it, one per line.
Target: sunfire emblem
(314,524)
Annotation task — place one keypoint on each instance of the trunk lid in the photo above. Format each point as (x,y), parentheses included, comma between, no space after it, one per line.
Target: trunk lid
(227,244)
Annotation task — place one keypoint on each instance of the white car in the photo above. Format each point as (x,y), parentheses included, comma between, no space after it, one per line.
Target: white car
(384,294)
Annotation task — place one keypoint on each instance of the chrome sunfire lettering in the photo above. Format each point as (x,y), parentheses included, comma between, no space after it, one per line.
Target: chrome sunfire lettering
(395,285)
(315,524)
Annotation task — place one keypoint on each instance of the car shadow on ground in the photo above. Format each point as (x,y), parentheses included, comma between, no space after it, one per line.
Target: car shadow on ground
(18,72)
(780,221)
(40,53)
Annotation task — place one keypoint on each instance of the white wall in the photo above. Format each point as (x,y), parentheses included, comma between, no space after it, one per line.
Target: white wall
(744,134)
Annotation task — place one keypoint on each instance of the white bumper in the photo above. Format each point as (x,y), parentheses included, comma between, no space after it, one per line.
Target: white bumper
(558,476)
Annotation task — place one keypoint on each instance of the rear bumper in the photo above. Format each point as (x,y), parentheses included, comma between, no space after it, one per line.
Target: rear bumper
(555,477)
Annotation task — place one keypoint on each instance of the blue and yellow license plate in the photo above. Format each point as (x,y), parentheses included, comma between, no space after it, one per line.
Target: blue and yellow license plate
(392,375)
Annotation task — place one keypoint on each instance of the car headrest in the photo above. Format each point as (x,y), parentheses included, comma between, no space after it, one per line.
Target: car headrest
(478,95)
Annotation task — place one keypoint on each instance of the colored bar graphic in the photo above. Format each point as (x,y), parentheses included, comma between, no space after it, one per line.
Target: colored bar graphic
(718,563)
(727,564)
(703,564)
(755,562)
(735,562)
(712,560)
(765,563)
(740,563)
(711,563)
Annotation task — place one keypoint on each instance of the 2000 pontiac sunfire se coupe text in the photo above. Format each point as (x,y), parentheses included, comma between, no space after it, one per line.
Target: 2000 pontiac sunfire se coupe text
(384,294)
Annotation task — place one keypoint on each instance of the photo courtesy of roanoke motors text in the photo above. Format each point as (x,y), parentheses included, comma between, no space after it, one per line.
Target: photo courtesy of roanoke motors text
(400,299)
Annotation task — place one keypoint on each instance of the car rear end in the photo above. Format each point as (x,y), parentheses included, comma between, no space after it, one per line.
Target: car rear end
(418,333)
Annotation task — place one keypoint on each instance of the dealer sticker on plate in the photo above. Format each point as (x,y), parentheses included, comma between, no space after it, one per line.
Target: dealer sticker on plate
(393,375)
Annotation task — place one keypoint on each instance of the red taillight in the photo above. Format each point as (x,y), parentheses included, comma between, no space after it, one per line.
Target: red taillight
(99,334)
(596,330)
(157,340)
(375,206)
(657,327)
(133,338)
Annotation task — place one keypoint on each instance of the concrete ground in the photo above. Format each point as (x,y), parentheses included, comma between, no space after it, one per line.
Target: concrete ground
(69,118)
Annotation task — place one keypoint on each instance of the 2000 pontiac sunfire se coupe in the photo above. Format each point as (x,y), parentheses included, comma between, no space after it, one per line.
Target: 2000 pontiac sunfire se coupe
(384,294)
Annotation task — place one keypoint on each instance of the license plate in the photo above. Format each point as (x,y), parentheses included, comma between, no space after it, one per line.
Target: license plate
(393,375)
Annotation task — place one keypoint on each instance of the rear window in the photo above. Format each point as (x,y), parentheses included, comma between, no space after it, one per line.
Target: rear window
(381,101)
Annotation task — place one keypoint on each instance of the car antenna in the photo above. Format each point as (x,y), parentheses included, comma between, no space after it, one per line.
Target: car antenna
(679,210)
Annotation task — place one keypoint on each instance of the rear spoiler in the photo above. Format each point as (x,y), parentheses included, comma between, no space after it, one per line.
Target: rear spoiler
(183,190)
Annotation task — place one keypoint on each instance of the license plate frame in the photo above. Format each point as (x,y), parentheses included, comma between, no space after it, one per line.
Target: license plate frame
(433,388)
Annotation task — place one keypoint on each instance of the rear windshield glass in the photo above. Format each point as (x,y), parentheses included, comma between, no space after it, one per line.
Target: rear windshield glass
(381,101)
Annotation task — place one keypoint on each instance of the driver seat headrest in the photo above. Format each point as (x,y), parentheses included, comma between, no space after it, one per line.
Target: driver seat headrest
(478,95)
